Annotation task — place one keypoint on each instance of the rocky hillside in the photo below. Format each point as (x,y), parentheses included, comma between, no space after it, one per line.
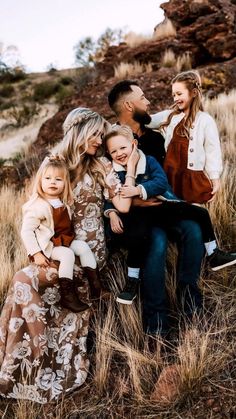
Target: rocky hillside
(204,37)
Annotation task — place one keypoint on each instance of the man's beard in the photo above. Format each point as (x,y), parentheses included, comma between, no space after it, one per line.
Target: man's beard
(142,117)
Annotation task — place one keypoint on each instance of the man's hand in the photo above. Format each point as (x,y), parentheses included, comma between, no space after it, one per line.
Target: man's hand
(129,191)
(41,260)
(151,202)
(116,223)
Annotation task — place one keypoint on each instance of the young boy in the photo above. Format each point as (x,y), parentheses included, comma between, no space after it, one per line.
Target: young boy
(160,206)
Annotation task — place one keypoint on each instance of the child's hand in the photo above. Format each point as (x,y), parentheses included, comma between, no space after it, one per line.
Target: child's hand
(215,188)
(116,223)
(41,260)
(129,191)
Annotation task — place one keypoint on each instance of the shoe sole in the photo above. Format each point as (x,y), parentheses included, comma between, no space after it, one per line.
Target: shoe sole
(217,268)
(127,302)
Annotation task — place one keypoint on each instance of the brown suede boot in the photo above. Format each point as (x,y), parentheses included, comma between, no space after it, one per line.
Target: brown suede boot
(96,289)
(69,298)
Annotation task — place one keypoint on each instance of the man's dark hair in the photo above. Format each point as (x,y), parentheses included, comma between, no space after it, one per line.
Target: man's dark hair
(118,91)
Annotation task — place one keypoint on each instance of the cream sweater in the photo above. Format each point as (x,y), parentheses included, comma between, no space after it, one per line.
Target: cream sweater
(204,151)
(38,226)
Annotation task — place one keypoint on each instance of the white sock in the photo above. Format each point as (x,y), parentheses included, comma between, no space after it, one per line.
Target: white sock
(210,247)
(133,272)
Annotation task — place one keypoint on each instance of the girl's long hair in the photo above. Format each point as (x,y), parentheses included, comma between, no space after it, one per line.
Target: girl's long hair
(80,125)
(192,80)
(58,163)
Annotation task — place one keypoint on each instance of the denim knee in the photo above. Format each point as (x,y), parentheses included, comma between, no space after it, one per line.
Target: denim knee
(191,231)
(158,243)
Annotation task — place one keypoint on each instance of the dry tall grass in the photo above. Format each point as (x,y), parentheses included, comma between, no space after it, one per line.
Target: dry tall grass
(164,30)
(223,209)
(125,70)
(12,252)
(181,63)
(133,39)
(124,369)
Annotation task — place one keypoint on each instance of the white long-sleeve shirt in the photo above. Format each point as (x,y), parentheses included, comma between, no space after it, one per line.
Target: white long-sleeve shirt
(204,150)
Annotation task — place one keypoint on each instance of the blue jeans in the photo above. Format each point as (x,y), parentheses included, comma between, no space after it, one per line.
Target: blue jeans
(191,251)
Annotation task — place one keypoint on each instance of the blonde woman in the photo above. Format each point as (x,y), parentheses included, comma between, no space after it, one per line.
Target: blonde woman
(92,176)
(43,345)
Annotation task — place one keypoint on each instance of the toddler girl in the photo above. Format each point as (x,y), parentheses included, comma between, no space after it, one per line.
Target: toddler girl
(47,231)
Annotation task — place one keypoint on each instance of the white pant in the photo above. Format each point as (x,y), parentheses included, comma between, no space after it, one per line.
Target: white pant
(66,257)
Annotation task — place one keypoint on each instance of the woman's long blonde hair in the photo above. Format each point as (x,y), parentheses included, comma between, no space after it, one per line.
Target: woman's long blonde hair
(80,125)
(192,80)
(59,164)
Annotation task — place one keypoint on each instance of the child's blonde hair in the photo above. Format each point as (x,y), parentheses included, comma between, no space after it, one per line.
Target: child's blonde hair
(192,81)
(124,130)
(57,163)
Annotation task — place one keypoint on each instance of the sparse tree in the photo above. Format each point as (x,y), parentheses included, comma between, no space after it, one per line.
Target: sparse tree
(88,51)
(84,51)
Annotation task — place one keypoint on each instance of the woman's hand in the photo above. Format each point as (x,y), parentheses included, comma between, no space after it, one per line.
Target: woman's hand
(129,191)
(215,188)
(41,260)
(116,223)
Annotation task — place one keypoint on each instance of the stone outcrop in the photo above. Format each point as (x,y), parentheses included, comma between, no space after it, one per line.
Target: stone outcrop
(204,28)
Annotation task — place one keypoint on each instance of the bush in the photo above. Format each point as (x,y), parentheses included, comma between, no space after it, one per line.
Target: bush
(66,80)
(45,90)
(12,75)
(63,92)
(23,115)
(7,90)
(6,105)
(84,76)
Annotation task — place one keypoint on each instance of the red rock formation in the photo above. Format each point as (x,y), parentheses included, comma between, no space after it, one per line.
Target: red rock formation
(205,28)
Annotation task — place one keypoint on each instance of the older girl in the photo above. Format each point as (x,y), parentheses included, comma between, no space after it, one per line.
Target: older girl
(193,161)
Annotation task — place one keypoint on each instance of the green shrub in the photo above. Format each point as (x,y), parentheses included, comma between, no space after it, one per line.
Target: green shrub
(45,90)
(7,90)
(64,92)
(66,80)
(84,76)
(6,105)
(12,75)
(24,114)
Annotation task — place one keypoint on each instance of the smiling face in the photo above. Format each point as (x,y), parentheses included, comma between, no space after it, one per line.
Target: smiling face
(119,148)
(94,143)
(53,183)
(182,96)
